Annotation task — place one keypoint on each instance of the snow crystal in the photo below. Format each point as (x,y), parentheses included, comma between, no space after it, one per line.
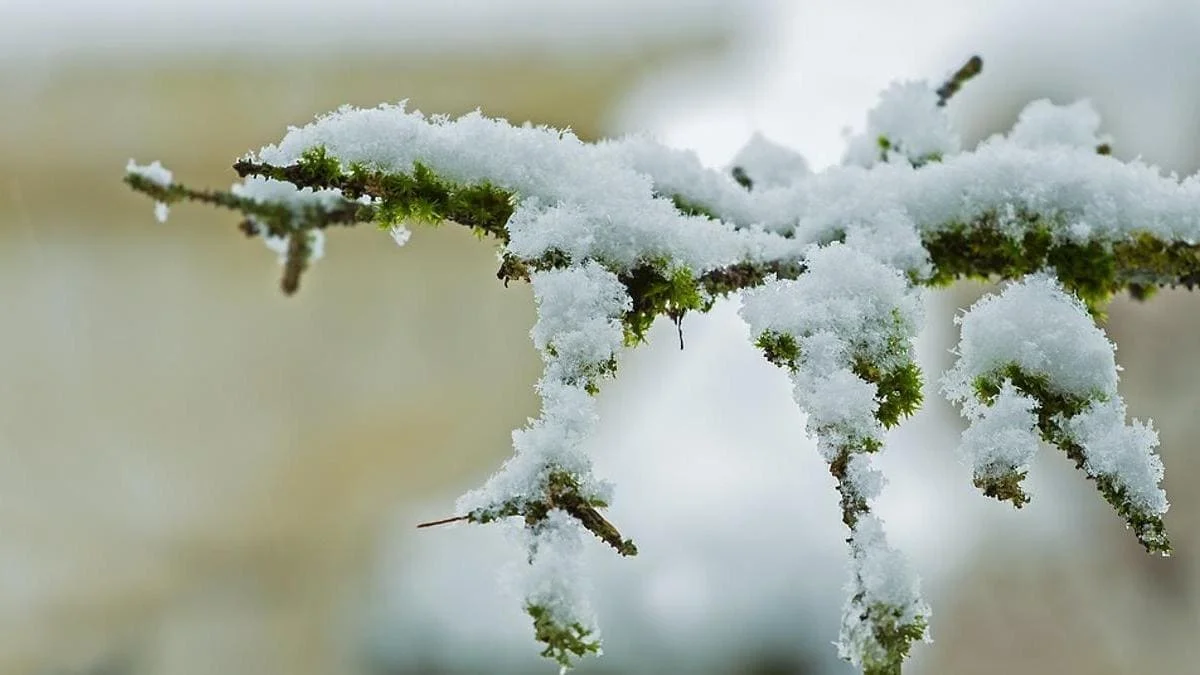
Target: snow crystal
(154,172)
(914,125)
(1043,124)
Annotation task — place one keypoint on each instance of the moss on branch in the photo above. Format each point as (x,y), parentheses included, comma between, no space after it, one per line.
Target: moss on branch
(1053,407)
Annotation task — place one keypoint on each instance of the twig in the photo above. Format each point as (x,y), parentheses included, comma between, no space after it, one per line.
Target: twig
(443,521)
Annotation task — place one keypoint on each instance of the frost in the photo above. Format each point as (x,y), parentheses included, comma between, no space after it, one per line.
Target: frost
(1044,124)
(154,172)
(161,210)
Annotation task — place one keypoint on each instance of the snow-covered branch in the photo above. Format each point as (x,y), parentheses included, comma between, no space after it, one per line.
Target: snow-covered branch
(831,268)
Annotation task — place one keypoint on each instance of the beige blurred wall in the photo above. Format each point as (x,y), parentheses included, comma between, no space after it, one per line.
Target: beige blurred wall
(194,469)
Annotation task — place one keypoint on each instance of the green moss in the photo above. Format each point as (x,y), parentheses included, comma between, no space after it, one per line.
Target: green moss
(1004,486)
(725,280)
(316,167)
(780,349)
(564,643)
(1094,271)
(594,372)
(424,196)
(898,391)
(656,288)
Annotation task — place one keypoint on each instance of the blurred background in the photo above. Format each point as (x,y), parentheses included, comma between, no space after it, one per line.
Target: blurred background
(198,475)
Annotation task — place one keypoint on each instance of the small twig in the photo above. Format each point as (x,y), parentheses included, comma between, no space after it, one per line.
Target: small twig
(970,69)
(443,521)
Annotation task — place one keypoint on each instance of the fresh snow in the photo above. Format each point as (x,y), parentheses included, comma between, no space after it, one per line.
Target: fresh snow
(1045,331)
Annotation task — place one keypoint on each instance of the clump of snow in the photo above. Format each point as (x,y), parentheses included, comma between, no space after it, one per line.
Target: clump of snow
(1039,327)
(1123,451)
(1043,123)
(400,234)
(866,304)
(1003,436)
(609,201)
(1046,332)
(578,325)
(577,331)
(271,191)
(914,125)
(585,200)
(769,164)
(154,172)
(880,578)
(846,308)
(279,245)
(157,174)
(554,578)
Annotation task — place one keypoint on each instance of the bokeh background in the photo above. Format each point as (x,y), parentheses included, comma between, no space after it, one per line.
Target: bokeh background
(198,475)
